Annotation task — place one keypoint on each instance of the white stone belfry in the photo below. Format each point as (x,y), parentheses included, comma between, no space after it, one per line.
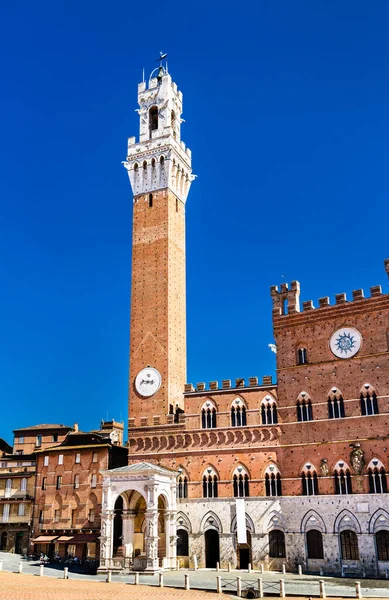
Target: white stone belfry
(160,159)
(148,518)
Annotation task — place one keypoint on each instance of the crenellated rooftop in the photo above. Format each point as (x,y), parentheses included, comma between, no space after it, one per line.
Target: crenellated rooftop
(286,301)
(226,385)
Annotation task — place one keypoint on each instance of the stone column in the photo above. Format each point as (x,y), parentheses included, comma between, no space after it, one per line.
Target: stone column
(106,539)
(151,539)
(171,538)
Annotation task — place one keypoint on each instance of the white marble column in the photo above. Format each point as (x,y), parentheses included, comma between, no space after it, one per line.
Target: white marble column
(106,539)
(171,538)
(151,539)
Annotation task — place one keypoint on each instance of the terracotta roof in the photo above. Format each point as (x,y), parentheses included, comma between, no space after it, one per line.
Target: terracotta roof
(45,426)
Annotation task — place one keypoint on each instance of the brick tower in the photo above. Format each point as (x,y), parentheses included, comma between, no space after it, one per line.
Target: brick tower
(159,168)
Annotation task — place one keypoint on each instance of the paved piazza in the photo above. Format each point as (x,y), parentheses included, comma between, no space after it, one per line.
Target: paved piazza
(29,586)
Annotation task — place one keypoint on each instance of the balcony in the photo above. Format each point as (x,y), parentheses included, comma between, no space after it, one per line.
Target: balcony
(14,494)
(10,519)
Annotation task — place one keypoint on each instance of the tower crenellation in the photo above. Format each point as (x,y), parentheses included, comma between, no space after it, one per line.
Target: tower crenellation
(160,159)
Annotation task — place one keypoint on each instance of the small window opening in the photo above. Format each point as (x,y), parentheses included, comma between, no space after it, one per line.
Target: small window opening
(177,205)
(153,119)
(150,200)
(302,358)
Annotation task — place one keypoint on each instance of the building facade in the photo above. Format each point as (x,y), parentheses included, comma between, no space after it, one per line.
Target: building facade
(68,495)
(289,472)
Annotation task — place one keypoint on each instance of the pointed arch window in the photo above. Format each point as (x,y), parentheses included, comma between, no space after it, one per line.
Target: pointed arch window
(335,404)
(23,485)
(210,484)
(349,545)
(153,119)
(304,407)
(273,483)
(269,411)
(377,477)
(342,479)
(241,483)
(369,403)
(238,413)
(309,482)
(208,416)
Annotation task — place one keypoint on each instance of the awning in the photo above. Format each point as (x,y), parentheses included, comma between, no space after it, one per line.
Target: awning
(65,539)
(83,538)
(45,539)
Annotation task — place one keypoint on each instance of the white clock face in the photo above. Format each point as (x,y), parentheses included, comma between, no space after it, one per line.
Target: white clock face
(148,381)
(345,342)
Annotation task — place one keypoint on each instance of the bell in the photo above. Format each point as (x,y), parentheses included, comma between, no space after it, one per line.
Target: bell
(160,74)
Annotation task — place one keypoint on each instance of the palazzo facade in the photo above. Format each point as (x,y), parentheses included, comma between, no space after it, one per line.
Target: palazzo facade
(306,456)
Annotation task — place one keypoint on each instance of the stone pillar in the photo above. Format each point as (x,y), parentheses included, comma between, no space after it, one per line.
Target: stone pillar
(128,523)
(171,538)
(106,539)
(151,539)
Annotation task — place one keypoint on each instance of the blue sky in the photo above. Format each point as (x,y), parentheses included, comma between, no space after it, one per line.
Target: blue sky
(286,114)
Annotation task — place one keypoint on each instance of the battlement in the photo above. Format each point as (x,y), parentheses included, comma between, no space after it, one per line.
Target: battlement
(287,301)
(240,383)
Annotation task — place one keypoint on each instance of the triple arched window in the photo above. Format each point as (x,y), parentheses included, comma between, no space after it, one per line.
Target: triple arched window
(273,483)
(309,482)
(377,477)
(238,413)
(369,404)
(304,407)
(335,404)
(210,483)
(342,479)
(208,415)
(241,483)
(269,411)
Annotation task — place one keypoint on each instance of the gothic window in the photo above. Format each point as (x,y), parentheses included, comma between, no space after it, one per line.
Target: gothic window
(208,415)
(240,483)
(210,484)
(59,482)
(304,407)
(369,404)
(8,487)
(238,413)
(302,357)
(273,485)
(277,544)
(76,482)
(314,544)
(342,479)
(377,477)
(335,404)
(309,481)
(153,119)
(23,485)
(269,411)
(349,545)
(182,486)
(44,483)
(382,543)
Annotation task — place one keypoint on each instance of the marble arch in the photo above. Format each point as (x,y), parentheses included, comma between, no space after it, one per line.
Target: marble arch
(148,491)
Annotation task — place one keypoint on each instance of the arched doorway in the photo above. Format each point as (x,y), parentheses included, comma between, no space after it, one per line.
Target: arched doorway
(182,542)
(244,552)
(3,542)
(212,549)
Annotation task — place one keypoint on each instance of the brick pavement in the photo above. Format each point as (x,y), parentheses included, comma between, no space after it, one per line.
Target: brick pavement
(31,587)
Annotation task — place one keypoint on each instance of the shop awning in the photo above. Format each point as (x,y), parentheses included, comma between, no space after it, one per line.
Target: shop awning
(64,539)
(45,539)
(83,538)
